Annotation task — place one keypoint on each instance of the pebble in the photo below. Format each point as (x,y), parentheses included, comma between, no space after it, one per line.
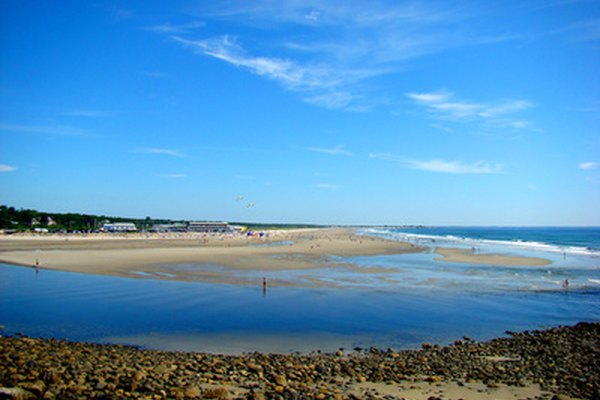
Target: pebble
(565,361)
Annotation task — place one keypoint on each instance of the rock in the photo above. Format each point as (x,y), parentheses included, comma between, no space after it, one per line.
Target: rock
(100,384)
(254,367)
(192,391)
(280,380)
(218,393)
(16,393)
(258,396)
(38,387)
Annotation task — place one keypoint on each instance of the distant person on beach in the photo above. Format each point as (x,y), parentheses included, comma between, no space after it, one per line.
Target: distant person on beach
(566,283)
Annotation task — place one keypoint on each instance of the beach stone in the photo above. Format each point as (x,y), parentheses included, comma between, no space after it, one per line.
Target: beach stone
(258,396)
(218,393)
(38,387)
(16,393)
(280,380)
(191,391)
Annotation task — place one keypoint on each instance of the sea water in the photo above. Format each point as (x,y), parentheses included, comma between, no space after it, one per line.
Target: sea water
(396,301)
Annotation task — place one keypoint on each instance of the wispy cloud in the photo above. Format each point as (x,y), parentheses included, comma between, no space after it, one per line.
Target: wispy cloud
(338,150)
(593,107)
(155,74)
(442,166)
(505,108)
(52,130)
(176,29)
(327,186)
(286,71)
(341,46)
(88,113)
(584,30)
(7,168)
(444,105)
(172,176)
(166,152)
(588,165)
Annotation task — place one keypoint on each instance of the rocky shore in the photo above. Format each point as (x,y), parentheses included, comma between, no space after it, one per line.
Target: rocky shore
(561,362)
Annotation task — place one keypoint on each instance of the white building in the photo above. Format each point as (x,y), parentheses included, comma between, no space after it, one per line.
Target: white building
(119,227)
(177,227)
(209,227)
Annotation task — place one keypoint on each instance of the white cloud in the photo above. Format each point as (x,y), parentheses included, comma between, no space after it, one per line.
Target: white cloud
(7,168)
(88,113)
(435,97)
(312,16)
(175,29)
(338,150)
(167,152)
(506,108)
(327,186)
(342,43)
(285,71)
(442,166)
(332,100)
(444,105)
(584,30)
(588,165)
(172,176)
(455,167)
(54,130)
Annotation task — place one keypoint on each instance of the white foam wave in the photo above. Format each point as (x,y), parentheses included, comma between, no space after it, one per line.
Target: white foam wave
(471,242)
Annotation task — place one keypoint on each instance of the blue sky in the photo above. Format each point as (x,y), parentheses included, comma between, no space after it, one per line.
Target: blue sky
(338,112)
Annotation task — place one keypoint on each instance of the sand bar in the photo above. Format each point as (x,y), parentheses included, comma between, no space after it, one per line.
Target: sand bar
(235,259)
(470,257)
(152,254)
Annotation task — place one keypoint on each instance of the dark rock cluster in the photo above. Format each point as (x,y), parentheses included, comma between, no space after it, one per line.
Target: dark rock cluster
(564,361)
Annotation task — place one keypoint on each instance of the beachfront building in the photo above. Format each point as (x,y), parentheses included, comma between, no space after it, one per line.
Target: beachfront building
(119,227)
(177,227)
(209,227)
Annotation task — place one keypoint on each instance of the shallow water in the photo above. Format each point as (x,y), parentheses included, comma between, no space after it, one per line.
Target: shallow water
(228,318)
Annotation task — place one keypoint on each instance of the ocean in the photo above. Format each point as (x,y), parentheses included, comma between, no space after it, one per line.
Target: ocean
(570,240)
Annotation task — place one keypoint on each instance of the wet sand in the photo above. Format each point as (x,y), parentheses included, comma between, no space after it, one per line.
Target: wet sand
(469,257)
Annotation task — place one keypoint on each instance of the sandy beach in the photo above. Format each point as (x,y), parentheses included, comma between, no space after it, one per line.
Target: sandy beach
(217,258)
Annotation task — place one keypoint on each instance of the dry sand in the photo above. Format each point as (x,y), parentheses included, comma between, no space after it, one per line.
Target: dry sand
(128,255)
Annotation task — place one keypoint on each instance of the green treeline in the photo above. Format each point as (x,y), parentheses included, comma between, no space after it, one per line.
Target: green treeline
(24,220)
(20,220)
